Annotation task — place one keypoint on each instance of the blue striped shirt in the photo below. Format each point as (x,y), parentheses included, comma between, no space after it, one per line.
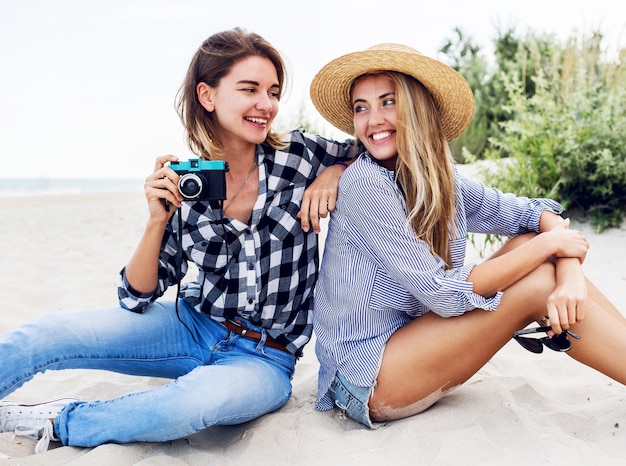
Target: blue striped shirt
(376,276)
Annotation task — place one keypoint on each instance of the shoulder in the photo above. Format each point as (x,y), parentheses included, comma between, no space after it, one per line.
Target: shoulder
(298,143)
(301,137)
(364,168)
(365,178)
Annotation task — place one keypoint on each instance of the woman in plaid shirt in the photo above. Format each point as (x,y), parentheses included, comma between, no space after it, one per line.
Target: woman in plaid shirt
(232,339)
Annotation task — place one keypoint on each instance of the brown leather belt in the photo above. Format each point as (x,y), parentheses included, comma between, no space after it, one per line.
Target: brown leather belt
(237,328)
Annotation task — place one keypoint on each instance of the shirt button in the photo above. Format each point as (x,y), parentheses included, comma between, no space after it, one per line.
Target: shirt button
(250,265)
(250,301)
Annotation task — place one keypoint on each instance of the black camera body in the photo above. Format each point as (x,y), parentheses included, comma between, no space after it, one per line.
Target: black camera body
(201,180)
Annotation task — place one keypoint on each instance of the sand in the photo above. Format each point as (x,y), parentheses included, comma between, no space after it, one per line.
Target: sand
(64,252)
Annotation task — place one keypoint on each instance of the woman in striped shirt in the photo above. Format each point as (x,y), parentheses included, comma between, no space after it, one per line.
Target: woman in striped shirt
(400,318)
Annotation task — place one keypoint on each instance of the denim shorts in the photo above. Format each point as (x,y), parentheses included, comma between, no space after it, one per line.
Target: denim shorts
(351,400)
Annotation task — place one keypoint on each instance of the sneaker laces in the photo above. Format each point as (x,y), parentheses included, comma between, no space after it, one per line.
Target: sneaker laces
(44,433)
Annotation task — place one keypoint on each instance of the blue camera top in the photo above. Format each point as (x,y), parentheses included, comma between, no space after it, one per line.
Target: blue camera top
(195,165)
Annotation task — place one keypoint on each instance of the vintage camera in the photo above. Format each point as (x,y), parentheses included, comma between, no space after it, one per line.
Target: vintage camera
(201,180)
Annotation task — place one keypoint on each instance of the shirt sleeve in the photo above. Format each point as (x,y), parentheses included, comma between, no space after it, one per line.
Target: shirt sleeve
(172,268)
(489,210)
(381,231)
(326,152)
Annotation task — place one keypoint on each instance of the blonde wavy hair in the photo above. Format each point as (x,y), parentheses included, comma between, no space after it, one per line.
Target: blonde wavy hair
(213,60)
(424,168)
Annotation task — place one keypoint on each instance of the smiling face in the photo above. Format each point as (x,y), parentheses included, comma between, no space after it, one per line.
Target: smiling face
(245,102)
(374,115)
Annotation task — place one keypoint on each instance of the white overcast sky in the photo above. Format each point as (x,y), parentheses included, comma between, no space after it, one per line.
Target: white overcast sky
(87,87)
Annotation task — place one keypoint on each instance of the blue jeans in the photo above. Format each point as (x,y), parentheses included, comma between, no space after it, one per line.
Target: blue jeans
(351,400)
(219,377)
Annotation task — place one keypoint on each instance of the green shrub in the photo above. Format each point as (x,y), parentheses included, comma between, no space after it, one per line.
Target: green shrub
(568,140)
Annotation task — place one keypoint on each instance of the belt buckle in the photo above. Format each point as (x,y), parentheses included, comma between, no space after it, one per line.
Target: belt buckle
(238,324)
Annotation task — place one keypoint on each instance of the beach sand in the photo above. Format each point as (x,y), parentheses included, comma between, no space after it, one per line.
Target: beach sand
(64,252)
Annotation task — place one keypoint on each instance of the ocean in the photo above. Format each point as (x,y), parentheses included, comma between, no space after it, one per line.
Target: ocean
(11,187)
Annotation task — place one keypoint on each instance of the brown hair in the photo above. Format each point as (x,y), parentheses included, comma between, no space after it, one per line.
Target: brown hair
(212,61)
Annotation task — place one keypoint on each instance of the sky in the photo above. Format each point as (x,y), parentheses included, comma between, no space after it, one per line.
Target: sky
(87,87)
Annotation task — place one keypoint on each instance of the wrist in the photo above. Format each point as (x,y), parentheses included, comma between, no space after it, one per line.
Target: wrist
(156,226)
(549,221)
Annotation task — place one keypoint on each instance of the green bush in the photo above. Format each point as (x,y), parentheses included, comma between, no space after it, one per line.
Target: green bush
(568,140)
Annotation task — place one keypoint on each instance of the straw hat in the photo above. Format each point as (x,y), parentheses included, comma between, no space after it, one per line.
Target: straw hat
(330,89)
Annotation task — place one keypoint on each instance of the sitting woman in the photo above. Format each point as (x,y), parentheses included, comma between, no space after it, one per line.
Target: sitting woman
(400,318)
(230,343)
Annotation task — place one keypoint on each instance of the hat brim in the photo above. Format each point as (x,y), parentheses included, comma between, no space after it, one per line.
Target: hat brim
(330,88)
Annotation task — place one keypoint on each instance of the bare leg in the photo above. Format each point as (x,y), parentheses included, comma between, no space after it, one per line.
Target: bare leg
(431,355)
(603,301)
(603,332)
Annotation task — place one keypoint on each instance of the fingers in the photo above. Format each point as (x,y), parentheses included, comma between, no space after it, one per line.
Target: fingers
(315,206)
(554,318)
(314,214)
(331,204)
(565,311)
(572,310)
(570,243)
(161,161)
(161,188)
(320,197)
(321,210)
(303,215)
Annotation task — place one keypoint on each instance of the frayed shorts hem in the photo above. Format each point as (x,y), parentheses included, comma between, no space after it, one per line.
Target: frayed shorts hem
(352,400)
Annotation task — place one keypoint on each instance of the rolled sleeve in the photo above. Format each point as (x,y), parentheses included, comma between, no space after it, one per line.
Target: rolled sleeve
(129,298)
(468,300)
(171,269)
(452,295)
(533,211)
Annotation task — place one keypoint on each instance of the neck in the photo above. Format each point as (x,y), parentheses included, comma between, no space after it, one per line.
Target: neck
(240,161)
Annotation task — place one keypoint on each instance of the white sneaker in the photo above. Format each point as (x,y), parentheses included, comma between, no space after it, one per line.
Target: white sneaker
(32,421)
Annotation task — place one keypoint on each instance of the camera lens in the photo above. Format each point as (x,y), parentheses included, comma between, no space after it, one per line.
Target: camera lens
(190,185)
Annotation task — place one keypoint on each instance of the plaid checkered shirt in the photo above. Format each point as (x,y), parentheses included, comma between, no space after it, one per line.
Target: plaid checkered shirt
(263,271)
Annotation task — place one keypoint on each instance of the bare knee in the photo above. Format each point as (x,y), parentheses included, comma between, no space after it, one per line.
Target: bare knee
(530,294)
(543,281)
